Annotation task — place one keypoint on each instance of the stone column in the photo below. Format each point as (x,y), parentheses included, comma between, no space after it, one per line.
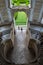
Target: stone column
(6,3)
(1,18)
(40,14)
(32,10)
(8,10)
(9,14)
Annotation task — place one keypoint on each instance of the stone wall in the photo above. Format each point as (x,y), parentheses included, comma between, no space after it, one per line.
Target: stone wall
(37,9)
(3,10)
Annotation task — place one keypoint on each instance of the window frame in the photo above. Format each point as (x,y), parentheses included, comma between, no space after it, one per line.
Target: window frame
(18,6)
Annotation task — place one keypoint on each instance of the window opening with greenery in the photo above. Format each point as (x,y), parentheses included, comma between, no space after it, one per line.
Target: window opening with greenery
(20,3)
(20,18)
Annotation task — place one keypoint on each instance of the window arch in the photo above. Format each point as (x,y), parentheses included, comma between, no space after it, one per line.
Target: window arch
(20,3)
(20,19)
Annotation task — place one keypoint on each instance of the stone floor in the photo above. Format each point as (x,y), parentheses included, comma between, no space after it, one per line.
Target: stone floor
(20,53)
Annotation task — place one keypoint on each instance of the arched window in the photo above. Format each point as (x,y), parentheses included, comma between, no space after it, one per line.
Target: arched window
(20,3)
(20,19)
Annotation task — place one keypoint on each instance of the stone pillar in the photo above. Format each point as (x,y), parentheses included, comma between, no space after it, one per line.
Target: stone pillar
(1,18)
(40,14)
(8,10)
(6,3)
(9,14)
(42,20)
(32,10)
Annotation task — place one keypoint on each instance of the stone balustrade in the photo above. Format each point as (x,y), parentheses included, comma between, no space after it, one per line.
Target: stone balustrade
(33,45)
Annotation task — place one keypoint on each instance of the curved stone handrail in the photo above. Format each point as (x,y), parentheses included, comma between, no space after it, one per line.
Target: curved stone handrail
(0,34)
(33,45)
(5,47)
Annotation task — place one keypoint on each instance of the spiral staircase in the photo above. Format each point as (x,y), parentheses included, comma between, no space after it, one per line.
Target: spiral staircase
(22,47)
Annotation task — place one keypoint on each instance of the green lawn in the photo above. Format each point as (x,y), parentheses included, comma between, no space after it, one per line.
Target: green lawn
(20,18)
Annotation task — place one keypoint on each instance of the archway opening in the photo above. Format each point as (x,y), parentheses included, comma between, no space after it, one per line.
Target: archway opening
(20,19)
(14,3)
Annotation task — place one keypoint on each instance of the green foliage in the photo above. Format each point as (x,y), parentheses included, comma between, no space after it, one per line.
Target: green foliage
(15,15)
(20,18)
(18,2)
(27,3)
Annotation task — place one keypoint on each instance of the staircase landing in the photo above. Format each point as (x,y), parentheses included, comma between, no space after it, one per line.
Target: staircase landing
(20,54)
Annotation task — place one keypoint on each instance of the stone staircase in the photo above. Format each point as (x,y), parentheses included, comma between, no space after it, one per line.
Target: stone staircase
(3,62)
(41,54)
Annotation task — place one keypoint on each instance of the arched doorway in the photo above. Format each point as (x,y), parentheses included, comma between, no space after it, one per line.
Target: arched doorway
(20,19)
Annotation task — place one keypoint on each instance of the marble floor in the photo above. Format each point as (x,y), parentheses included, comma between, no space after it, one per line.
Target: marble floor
(20,54)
